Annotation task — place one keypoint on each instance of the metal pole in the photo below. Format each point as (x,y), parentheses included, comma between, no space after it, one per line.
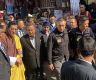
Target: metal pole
(87,2)
(4,4)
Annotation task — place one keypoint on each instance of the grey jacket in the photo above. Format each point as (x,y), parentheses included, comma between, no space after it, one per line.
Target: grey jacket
(78,70)
(4,66)
(31,55)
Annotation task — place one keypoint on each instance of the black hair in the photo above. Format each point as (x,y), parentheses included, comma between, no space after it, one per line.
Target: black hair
(11,23)
(87,46)
(52,15)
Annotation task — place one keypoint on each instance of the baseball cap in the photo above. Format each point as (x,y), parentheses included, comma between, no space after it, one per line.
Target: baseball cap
(46,24)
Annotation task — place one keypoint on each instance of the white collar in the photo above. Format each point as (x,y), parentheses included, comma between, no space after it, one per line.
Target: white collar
(86,61)
(0,43)
(53,24)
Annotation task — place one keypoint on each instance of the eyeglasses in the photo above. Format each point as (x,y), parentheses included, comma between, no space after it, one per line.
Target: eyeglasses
(61,25)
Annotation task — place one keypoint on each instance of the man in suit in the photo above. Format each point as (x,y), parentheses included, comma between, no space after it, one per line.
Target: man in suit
(31,53)
(81,69)
(4,60)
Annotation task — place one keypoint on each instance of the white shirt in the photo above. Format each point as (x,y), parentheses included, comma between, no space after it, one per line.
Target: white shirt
(20,33)
(33,42)
(0,45)
(86,61)
(12,59)
(53,25)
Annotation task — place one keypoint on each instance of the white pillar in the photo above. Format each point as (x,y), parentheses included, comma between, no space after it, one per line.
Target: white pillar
(74,5)
(9,6)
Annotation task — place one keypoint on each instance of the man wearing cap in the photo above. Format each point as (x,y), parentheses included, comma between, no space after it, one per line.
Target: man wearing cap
(44,62)
(81,69)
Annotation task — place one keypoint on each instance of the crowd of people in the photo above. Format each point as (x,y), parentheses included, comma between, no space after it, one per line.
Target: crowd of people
(47,49)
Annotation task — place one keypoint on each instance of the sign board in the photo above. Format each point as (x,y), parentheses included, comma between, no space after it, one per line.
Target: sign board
(9,6)
(74,4)
(58,14)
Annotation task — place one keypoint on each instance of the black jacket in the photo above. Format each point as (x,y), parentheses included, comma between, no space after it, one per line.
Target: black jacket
(43,55)
(72,33)
(75,34)
(58,46)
